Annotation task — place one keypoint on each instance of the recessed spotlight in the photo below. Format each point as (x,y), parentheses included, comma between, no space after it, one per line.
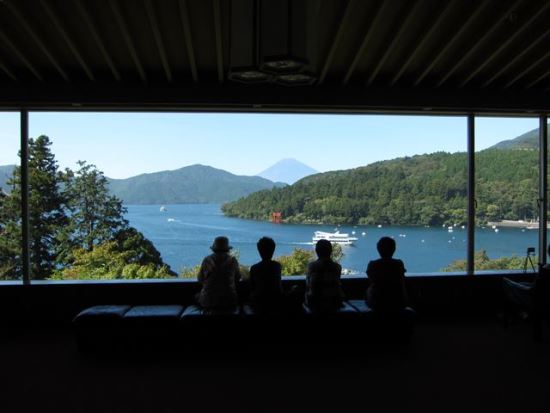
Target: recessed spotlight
(282,65)
(295,79)
(249,76)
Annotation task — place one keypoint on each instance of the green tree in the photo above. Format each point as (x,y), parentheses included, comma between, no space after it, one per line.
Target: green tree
(143,250)
(337,252)
(10,248)
(95,215)
(108,261)
(482,262)
(296,263)
(47,213)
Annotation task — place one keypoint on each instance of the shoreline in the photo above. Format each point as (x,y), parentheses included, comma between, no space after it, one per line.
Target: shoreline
(507,223)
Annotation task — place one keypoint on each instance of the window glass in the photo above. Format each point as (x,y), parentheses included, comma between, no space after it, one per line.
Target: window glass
(10,197)
(143,195)
(507,159)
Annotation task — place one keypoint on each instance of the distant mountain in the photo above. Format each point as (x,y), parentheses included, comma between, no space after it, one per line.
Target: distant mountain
(527,141)
(190,184)
(287,171)
(6,172)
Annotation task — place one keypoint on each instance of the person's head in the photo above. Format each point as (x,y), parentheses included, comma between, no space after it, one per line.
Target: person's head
(220,245)
(323,248)
(266,248)
(386,247)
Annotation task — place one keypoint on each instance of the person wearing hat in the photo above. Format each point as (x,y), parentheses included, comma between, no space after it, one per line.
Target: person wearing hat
(219,274)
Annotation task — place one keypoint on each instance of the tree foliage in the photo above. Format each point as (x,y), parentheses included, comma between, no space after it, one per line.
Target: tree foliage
(95,214)
(483,262)
(108,261)
(47,213)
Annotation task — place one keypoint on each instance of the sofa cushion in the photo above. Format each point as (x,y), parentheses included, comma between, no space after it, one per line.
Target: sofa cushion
(154,312)
(345,309)
(196,311)
(101,314)
(360,305)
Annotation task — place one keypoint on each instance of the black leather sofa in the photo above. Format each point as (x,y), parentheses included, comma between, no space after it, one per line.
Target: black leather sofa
(178,329)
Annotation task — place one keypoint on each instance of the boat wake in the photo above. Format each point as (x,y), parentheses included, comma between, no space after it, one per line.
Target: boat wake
(206,226)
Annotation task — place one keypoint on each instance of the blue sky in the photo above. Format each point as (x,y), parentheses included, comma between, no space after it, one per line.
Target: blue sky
(126,144)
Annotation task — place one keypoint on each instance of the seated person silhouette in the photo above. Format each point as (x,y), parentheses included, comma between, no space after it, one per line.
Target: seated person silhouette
(323,286)
(531,296)
(219,274)
(386,292)
(265,279)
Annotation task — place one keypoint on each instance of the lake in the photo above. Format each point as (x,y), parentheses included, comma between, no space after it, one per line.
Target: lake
(184,233)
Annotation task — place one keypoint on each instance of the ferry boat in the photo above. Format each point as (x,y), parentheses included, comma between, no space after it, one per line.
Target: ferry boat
(334,237)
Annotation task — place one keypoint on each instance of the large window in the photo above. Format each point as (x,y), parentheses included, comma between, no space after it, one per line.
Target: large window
(10,198)
(179,180)
(507,182)
(143,195)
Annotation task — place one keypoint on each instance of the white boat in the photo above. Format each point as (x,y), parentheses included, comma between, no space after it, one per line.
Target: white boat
(163,208)
(334,237)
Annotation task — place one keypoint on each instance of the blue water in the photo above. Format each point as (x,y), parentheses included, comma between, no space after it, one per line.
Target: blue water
(184,233)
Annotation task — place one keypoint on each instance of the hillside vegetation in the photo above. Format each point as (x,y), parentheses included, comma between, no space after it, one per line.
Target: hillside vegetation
(426,189)
(190,184)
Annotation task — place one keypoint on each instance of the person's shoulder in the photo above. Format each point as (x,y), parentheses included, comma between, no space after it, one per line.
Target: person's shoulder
(275,264)
(400,266)
(375,263)
(313,264)
(208,258)
(398,262)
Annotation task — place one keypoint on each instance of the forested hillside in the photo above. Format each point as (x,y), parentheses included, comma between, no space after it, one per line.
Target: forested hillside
(190,184)
(419,190)
(529,140)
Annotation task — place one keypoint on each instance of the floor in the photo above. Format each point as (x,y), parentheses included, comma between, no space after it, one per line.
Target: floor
(465,365)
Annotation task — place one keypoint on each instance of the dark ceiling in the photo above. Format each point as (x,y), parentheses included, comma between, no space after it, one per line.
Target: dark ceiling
(300,55)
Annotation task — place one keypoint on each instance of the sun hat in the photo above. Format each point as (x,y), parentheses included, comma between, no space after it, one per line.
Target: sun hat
(221,244)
